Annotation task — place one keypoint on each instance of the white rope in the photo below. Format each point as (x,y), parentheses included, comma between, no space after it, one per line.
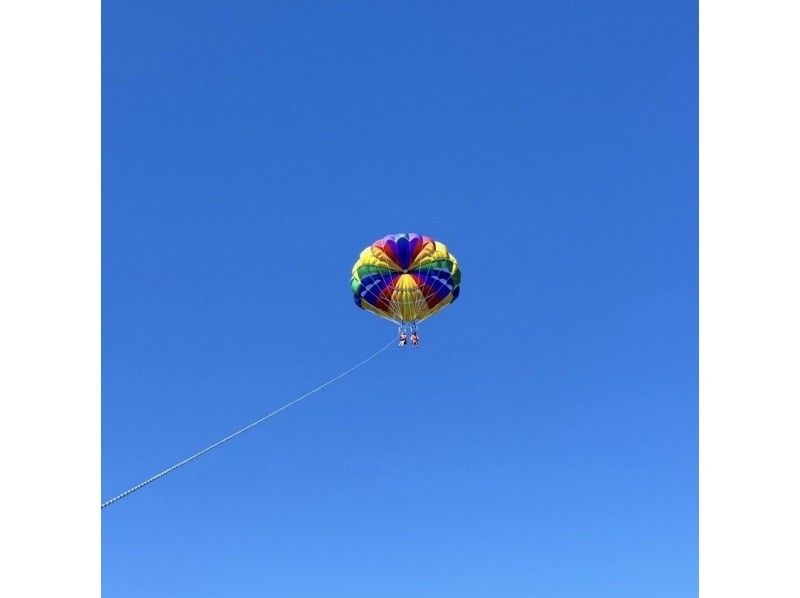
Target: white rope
(241,430)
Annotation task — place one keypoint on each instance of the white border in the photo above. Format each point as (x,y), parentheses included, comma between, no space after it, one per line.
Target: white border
(749,299)
(50,298)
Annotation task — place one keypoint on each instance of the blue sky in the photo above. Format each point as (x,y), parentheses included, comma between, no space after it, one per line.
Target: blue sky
(543,442)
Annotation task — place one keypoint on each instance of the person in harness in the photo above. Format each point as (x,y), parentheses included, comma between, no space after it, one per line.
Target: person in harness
(415,339)
(402,342)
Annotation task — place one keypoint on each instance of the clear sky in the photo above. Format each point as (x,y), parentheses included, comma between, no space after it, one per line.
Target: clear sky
(543,441)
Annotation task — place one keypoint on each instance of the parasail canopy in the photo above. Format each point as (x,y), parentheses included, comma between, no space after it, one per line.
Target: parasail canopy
(405,278)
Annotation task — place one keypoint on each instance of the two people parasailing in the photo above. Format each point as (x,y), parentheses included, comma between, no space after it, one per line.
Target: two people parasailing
(404,337)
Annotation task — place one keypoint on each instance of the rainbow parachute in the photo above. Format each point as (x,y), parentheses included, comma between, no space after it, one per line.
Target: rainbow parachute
(405,278)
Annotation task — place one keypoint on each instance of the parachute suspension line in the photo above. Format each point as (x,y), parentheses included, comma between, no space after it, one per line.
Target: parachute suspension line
(395,312)
(201,452)
(421,304)
(394,307)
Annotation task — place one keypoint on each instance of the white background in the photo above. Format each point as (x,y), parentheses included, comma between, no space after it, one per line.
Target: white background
(49,299)
(749,301)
